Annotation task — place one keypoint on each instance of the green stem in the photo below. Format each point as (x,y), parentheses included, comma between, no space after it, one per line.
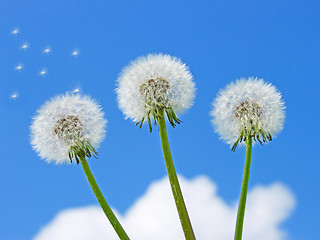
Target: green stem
(181,207)
(244,190)
(103,203)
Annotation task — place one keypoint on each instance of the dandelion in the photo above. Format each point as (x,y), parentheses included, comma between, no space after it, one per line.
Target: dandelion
(75,53)
(150,88)
(247,110)
(69,127)
(43,72)
(153,83)
(19,67)
(25,46)
(65,123)
(248,107)
(47,51)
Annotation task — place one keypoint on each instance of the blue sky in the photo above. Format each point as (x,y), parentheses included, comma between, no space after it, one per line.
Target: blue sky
(219,40)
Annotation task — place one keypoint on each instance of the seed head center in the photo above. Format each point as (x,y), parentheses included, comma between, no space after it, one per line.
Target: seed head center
(248,111)
(155,93)
(68,128)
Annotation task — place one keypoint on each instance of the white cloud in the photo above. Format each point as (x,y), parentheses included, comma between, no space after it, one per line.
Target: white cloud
(153,216)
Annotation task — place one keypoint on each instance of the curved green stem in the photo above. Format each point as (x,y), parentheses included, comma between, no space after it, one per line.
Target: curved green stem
(103,203)
(244,190)
(181,207)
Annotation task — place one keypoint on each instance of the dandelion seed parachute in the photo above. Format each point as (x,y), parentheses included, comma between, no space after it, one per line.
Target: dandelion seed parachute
(152,82)
(43,72)
(248,106)
(19,67)
(47,50)
(15,31)
(75,53)
(64,121)
(76,90)
(25,46)
(14,95)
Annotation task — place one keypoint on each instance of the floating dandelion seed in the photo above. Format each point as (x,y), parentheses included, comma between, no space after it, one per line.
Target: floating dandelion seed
(152,83)
(47,50)
(43,72)
(19,67)
(65,123)
(25,46)
(76,90)
(15,31)
(75,53)
(248,108)
(14,96)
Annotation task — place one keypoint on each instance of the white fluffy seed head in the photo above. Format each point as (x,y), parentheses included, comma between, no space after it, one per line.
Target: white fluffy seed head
(248,106)
(62,122)
(154,81)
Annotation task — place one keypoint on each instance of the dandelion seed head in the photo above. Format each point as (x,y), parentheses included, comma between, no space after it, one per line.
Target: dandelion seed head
(64,121)
(152,82)
(248,107)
